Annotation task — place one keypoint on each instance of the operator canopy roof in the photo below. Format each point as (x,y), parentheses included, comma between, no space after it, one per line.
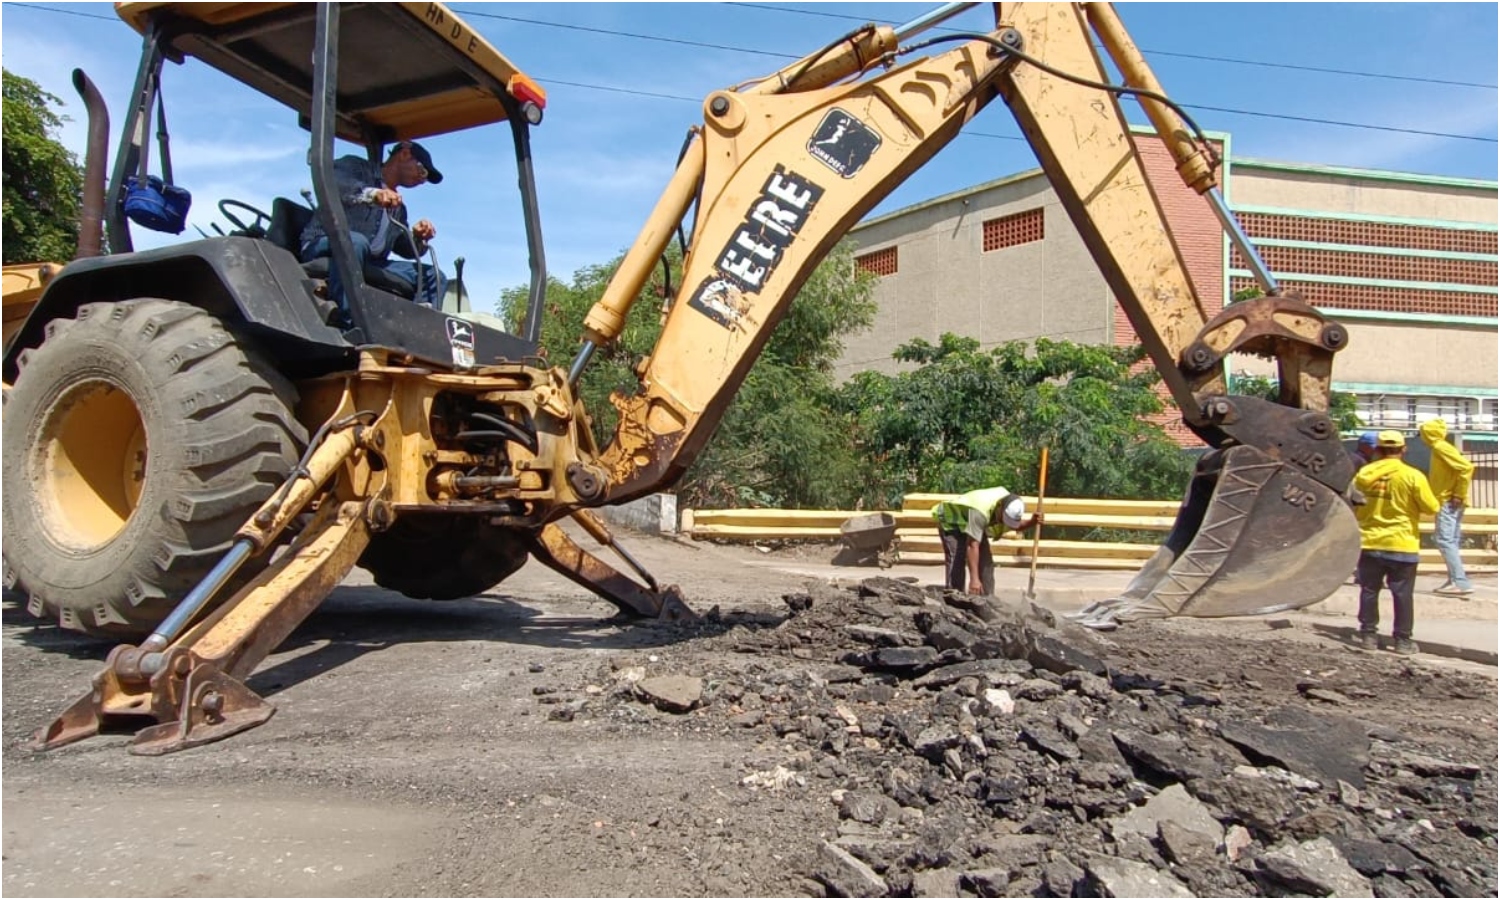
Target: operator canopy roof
(409,70)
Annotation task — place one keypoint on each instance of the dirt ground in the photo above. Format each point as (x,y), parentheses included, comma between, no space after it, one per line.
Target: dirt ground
(496,747)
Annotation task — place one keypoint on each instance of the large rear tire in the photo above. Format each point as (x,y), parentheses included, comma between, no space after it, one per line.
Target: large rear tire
(139,437)
(437,557)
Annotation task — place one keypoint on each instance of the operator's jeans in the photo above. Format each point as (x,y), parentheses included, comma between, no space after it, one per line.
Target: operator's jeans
(434,284)
(1401,577)
(1446,534)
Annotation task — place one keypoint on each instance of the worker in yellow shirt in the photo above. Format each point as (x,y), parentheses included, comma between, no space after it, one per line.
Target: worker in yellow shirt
(1449,475)
(966,524)
(1396,496)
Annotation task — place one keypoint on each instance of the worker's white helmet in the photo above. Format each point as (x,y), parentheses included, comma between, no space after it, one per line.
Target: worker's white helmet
(1012,511)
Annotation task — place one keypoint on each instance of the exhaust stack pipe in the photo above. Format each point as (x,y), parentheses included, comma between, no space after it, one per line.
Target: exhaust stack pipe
(91,218)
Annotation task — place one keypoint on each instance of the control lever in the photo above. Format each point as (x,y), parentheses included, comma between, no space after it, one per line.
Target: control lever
(458,279)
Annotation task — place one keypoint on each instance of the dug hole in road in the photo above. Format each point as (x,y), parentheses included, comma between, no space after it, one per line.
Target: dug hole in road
(874,737)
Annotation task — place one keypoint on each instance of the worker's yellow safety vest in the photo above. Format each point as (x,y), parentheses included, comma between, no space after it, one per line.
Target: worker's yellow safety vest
(953,515)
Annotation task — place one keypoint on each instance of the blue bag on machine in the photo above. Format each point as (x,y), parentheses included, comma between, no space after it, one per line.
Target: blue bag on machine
(157,205)
(151,202)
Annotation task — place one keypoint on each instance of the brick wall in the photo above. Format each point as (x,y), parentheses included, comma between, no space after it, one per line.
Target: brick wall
(1385,266)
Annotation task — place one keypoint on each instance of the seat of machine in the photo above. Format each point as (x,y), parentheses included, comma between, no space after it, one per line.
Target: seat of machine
(288,218)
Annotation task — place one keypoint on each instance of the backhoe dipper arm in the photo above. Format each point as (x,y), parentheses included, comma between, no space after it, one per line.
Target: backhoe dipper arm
(783,169)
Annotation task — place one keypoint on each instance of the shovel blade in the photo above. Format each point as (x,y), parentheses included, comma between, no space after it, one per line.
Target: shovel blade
(1255,535)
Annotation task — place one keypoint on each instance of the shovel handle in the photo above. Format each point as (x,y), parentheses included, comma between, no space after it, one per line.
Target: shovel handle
(1036,533)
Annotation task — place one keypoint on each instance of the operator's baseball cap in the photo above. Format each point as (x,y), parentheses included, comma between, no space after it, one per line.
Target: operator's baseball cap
(420,154)
(1390,439)
(1368,439)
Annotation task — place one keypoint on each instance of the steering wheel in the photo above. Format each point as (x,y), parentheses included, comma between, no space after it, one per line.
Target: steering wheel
(255,228)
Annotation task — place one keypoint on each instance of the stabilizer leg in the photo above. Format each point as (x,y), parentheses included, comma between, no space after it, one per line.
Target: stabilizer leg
(194,688)
(559,552)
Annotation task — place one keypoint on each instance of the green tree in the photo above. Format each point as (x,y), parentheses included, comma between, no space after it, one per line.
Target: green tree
(967,417)
(776,445)
(43,181)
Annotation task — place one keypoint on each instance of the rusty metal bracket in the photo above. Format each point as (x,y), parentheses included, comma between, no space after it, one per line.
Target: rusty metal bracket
(1280,327)
(211,706)
(108,699)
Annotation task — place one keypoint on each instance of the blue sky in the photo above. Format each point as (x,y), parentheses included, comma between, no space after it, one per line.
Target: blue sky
(619,104)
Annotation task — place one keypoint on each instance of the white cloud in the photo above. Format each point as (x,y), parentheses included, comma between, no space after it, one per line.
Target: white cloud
(212,156)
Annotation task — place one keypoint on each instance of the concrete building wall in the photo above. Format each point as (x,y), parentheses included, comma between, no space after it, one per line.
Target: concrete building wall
(1410,354)
(946,282)
(1407,263)
(1340,190)
(1200,244)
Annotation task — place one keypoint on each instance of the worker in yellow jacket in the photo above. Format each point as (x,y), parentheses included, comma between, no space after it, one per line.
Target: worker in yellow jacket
(966,524)
(1396,496)
(1449,475)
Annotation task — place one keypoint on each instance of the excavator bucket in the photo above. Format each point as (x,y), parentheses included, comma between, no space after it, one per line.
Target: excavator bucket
(1255,535)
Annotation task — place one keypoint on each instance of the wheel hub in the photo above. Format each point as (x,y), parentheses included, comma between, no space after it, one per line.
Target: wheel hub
(90,464)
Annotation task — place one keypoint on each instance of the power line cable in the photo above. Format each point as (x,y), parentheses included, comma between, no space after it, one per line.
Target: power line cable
(1243,112)
(654,95)
(643,37)
(1199,56)
(1322,70)
(1394,128)
(66,12)
(542,79)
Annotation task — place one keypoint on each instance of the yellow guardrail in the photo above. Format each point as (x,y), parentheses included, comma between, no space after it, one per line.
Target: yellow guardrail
(918,540)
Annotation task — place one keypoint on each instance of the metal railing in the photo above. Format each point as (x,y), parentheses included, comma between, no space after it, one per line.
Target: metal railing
(918,540)
(1482,491)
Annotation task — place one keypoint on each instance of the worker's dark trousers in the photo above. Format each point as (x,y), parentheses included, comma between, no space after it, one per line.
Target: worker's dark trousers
(956,562)
(1401,578)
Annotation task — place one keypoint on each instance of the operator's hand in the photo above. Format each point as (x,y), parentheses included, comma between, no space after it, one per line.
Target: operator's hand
(386,197)
(424,230)
(975,585)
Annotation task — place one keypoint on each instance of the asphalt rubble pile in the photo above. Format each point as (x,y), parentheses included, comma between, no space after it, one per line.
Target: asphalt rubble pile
(977,747)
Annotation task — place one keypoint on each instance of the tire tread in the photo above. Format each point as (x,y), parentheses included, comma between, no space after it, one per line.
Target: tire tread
(235,412)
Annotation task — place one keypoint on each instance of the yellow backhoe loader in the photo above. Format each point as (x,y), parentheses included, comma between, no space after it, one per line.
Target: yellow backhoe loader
(195,456)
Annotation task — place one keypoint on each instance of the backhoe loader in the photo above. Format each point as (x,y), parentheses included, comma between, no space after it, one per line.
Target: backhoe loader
(195,456)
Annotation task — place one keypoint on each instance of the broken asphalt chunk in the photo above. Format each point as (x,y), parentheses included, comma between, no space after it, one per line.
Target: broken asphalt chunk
(672,693)
(1315,867)
(1127,878)
(1328,748)
(845,875)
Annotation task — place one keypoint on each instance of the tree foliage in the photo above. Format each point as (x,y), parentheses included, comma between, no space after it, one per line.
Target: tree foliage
(776,445)
(43,182)
(968,418)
